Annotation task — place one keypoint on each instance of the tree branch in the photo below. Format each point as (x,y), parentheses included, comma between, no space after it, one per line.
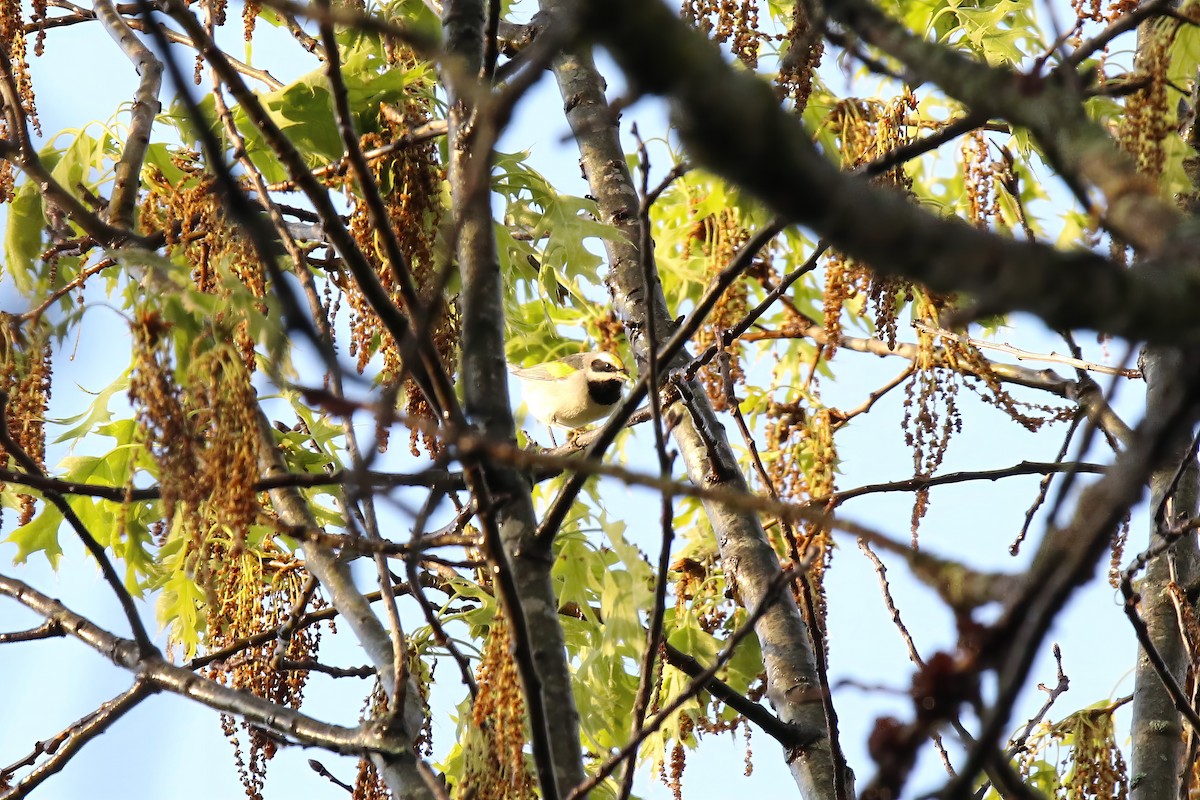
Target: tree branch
(47,630)
(502,495)
(160,674)
(787,649)
(926,481)
(1050,107)
(109,572)
(788,736)
(141,114)
(715,105)
(67,744)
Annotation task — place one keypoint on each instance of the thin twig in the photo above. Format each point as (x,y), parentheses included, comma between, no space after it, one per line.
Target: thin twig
(913,655)
(287,628)
(49,629)
(1123,24)
(753,314)
(369,190)
(1028,355)
(295,480)
(80,14)
(840,418)
(310,665)
(319,768)
(431,617)
(34,314)
(67,744)
(1170,684)
(910,150)
(926,481)
(1044,486)
(646,681)
(14,450)
(1061,685)
(424,132)
(354,19)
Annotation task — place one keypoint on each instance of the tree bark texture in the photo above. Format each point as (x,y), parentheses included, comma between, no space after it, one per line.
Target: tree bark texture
(1158,745)
(747,556)
(486,405)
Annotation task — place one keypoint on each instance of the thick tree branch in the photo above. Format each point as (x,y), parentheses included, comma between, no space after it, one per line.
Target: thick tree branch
(1049,106)
(141,115)
(793,685)
(399,769)
(160,674)
(501,494)
(732,123)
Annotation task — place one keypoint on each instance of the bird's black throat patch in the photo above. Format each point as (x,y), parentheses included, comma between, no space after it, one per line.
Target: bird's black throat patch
(605,393)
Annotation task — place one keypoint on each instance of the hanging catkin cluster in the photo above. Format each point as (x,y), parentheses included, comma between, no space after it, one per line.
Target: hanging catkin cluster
(25,378)
(203,437)
(411,178)
(256,591)
(802,56)
(720,236)
(493,752)
(866,130)
(732,22)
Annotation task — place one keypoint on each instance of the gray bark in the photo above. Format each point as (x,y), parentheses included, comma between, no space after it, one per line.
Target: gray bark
(1158,745)
(793,688)
(400,773)
(538,636)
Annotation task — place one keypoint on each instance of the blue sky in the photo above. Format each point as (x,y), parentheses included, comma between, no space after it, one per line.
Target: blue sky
(156,750)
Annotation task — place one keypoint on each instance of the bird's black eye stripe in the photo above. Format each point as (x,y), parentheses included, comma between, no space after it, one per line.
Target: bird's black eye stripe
(603,366)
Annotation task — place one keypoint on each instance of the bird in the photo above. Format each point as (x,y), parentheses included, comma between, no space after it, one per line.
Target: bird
(574,391)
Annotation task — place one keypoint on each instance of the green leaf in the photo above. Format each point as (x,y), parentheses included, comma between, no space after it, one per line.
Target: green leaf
(180,601)
(96,415)
(159,155)
(39,536)
(79,160)
(23,243)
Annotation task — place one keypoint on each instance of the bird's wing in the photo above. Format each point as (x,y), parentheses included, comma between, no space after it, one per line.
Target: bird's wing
(551,370)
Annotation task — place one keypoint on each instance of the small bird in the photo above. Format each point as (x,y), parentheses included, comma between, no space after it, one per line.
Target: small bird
(573,391)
